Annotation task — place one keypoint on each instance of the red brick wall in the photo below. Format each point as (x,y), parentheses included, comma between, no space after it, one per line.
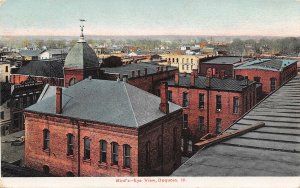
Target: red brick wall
(78,74)
(218,67)
(18,79)
(170,159)
(59,163)
(265,76)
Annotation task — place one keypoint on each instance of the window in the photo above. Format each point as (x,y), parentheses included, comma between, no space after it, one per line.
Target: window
(173,60)
(190,146)
(46,169)
(87,151)
(2,115)
(176,60)
(192,61)
(235,105)
(182,60)
(218,103)
(126,156)
(257,79)
(170,96)
(46,139)
(218,126)
(182,67)
(70,144)
(24,101)
(187,67)
(103,151)
(201,101)
(185,100)
(201,123)
(114,152)
(273,84)
(6,79)
(6,68)
(185,121)
(148,153)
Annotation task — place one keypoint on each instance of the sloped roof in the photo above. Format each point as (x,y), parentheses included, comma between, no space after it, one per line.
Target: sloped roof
(30,52)
(51,68)
(56,51)
(226,84)
(223,60)
(272,150)
(267,64)
(81,56)
(113,102)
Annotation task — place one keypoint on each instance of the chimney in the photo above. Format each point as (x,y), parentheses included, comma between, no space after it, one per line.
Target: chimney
(125,78)
(222,74)
(157,69)
(133,73)
(164,105)
(177,78)
(145,69)
(58,100)
(193,77)
(138,73)
(208,81)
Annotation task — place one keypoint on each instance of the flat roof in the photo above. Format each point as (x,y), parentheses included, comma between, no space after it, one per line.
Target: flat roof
(223,60)
(267,64)
(272,150)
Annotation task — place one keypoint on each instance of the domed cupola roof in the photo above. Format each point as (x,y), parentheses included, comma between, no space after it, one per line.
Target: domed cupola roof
(81,55)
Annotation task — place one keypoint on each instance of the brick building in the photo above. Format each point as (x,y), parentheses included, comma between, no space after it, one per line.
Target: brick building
(103,128)
(271,73)
(209,104)
(220,65)
(146,76)
(48,72)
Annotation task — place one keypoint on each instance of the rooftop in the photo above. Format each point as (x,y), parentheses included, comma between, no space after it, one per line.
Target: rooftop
(112,102)
(56,51)
(222,60)
(272,150)
(267,64)
(126,69)
(51,68)
(30,52)
(226,84)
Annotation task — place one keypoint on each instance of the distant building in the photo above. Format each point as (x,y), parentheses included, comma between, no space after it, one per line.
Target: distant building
(103,128)
(209,104)
(185,63)
(30,55)
(271,73)
(5,119)
(53,54)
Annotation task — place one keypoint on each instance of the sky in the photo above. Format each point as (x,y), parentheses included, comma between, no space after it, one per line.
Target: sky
(151,17)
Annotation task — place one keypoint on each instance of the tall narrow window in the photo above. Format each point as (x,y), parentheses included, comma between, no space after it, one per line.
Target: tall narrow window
(257,79)
(126,156)
(185,100)
(6,68)
(182,66)
(273,84)
(185,121)
(70,144)
(235,105)
(218,126)
(115,154)
(103,151)
(87,151)
(169,95)
(2,115)
(46,139)
(201,101)
(148,153)
(218,103)
(201,123)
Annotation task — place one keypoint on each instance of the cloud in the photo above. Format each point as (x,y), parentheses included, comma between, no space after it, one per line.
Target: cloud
(2,2)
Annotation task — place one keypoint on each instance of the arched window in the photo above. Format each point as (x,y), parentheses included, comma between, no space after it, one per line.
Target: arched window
(126,155)
(46,169)
(46,142)
(72,81)
(87,148)
(70,144)
(103,151)
(114,153)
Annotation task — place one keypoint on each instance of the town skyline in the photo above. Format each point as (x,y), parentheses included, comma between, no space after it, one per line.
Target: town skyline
(134,18)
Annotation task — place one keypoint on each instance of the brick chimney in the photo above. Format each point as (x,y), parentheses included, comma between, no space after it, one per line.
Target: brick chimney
(208,81)
(164,105)
(194,75)
(138,73)
(58,100)
(177,78)
(133,73)
(145,69)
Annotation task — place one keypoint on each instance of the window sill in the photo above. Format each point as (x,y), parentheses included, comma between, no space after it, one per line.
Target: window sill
(86,161)
(46,150)
(115,166)
(201,109)
(218,111)
(70,156)
(102,165)
(125,169)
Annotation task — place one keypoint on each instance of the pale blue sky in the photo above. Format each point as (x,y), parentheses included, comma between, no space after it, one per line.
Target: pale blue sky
(154,17)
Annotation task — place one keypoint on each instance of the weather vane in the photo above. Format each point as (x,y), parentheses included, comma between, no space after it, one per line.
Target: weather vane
(82,26)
